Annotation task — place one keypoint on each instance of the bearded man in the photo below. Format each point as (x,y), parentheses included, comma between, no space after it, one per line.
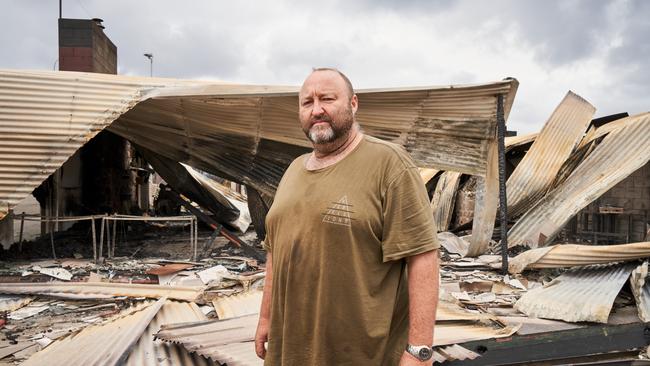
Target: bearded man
(349,221)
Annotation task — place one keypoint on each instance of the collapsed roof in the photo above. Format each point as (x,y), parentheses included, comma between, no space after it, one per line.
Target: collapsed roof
(244,133)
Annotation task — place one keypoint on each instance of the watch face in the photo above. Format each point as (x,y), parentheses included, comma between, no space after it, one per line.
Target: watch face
(425,353)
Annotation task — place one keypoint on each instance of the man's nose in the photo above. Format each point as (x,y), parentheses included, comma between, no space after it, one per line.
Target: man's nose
(317,109)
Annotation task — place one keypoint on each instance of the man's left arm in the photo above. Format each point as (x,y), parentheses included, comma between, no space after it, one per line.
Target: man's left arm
(423,301)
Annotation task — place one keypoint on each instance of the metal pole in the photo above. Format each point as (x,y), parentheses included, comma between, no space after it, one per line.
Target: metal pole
(192,240)
(22,230)
(92,226)
(111,252)
(196,239)
(60,9)
(101,239)
(52,239)
(503,204)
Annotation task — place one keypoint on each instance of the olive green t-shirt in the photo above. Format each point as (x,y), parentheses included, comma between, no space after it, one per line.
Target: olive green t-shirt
(338,236)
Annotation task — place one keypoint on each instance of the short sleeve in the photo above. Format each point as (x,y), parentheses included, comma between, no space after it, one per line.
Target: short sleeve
(408,226)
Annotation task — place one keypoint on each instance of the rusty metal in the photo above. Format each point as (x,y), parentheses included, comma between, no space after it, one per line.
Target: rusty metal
(503,202)
(621,152)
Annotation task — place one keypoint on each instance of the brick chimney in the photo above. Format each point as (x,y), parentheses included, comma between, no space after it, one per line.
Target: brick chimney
(83,46)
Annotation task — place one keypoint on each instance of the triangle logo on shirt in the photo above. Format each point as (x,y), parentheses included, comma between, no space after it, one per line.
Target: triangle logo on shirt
(339,212)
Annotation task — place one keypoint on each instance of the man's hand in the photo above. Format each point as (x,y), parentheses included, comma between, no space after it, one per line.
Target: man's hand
(408,360)
(262,333)
(261,336)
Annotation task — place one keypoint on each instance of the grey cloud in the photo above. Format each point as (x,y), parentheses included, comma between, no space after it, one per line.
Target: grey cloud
(632,56)
(562,31)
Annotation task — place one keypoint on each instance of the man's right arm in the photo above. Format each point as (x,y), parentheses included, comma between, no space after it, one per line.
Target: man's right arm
(262,334)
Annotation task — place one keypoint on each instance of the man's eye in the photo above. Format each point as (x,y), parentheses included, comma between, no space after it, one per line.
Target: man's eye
(306,103)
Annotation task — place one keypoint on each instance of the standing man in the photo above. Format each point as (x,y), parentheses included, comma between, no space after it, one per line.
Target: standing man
(348,223)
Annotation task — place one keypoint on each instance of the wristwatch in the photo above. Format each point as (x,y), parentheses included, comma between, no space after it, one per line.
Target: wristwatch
(422,353)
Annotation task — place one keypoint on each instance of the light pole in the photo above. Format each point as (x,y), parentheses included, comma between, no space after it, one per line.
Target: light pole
(150,57)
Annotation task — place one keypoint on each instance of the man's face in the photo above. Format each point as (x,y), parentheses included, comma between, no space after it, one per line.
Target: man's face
(326,108)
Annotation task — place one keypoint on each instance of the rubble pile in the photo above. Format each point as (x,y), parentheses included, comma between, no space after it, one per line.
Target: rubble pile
(533,298)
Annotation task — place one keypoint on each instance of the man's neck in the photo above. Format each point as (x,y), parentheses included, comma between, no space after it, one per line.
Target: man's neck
(325,155)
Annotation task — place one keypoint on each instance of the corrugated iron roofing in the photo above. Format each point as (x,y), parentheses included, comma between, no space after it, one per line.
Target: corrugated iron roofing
(512,142)
(444,198)
(150,352)
(11,303)
(574,255)
(127,340)
(461,332)
(560,135)
(106,344)
(102,290)
(46,116)
(427,174)
(620,153)
(640,283)
(226,341)
(231,340)
(452,243)
(583,294)
(244,303)
(255,138)
(486,200)
(245,132)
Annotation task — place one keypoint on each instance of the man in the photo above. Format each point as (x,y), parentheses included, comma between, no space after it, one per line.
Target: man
(345,221)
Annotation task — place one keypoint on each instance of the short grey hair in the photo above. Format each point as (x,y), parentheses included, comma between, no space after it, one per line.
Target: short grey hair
(347,81)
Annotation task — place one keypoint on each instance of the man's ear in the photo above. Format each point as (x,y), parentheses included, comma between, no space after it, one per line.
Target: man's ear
(354,103)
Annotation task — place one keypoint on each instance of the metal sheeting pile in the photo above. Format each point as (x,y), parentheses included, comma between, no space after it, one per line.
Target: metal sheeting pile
(557,140)
(252,136)
(575,255)
(619,154)
(583,294)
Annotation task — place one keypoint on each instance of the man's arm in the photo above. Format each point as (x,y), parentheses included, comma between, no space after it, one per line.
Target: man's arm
(423,301)
(262,333)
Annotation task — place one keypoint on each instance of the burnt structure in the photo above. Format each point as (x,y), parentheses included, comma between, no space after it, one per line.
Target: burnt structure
(105,175)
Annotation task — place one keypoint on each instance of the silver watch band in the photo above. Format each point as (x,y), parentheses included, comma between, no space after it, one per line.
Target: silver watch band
(422,353)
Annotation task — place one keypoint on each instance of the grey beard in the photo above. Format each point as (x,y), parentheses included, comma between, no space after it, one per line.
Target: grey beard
(322,136)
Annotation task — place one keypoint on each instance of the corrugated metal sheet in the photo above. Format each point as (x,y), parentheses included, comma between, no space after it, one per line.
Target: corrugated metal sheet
(244,303)
(447,311)
(427,173)
(150,352)
(595,133)
(444,198)
(11,303)
(452,243)
(574,255)
(226,196)
(102,290)
(512,142)
(226,341)
(640,283)
(253,137)
(485,207)
(560,135)
(46,116)
(248,134)
(453,353)
(461,332)
(584,294)
(231,340)
(106,344)
(620,153)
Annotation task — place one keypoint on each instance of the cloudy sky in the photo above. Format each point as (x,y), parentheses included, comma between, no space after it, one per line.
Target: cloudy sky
(598,49)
